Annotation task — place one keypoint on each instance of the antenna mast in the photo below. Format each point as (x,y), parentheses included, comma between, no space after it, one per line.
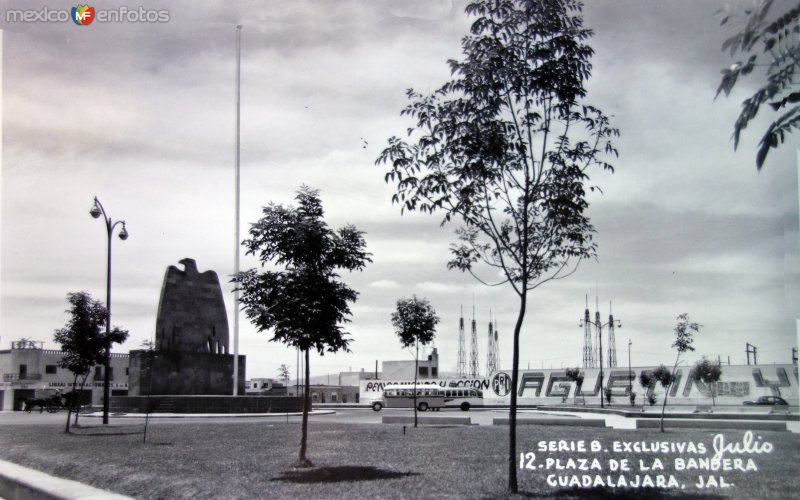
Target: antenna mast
(461,367)
(491,354)
(588,353)
(474,371)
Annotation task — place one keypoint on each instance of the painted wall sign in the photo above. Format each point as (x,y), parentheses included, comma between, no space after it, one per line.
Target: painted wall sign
(737,384)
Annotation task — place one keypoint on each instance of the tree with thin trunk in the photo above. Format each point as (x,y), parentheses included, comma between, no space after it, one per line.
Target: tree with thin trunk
(575,375)
(506,147)
(415,323)
(284,374)
(84,342)
(303,302)
(149,406)
(707,372)
(648,383)
(665,377)
(684,337)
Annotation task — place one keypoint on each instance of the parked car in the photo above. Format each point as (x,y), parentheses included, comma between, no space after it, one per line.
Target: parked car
(768,401)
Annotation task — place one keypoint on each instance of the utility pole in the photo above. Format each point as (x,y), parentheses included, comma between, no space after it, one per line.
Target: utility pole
(630,376)
(612,348)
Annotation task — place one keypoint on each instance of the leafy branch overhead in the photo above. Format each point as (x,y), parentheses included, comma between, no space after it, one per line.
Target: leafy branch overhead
(507,144)
(771,43)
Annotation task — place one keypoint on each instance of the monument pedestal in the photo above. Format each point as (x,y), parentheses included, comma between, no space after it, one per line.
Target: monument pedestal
(187,373)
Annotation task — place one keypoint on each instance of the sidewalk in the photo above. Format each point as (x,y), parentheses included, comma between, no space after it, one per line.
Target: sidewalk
(17,481)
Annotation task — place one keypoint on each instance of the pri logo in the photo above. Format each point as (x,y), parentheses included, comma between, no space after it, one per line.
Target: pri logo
(501,384)
(83,15)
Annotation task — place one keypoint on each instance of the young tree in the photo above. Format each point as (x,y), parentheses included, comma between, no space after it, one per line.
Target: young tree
(771,41)
(709,373)
(304,304)
(83,341)
(150,406)
(284,374)
(575,375)
(648,383)
(684,336)
(415,323)
(506,147)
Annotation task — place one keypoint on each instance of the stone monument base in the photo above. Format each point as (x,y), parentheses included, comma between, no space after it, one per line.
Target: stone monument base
(206,404)
(185,373)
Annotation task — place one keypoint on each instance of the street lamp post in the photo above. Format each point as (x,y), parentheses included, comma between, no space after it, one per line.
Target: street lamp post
(630,380)
(596,323)
(96,211)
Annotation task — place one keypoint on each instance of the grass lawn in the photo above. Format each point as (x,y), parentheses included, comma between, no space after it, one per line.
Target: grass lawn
(254,460)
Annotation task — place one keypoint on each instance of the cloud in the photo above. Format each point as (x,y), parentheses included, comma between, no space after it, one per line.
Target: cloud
(143,117)
(386,284)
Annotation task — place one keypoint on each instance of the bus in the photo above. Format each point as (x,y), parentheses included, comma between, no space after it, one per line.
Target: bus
(402,396)
(462,397)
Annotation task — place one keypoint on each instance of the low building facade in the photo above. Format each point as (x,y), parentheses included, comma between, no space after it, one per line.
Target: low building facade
(30,371)
(428,368)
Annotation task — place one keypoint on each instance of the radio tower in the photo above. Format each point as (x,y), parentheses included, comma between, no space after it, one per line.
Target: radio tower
(496,346)
(588,353)
(599,328)
(473,356)
(491,353)
(612,349)
(461,367)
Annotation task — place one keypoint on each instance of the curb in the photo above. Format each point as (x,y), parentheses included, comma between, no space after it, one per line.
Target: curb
(578,422)
(403,419)
(209,415)
(760,425)
(21,482)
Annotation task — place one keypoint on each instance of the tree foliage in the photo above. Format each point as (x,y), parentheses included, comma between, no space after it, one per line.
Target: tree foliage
(663,376)
(284,374)
(506,147)
(303,303)
(83,340)
(414,322)
(708,373)
(575,375)
(770,42)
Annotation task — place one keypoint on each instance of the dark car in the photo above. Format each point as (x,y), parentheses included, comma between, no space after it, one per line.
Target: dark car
(768,401)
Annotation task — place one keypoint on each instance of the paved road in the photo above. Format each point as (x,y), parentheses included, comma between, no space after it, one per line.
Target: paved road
(342,415)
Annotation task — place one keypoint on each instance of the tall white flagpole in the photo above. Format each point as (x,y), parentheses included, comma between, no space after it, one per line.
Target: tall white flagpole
(236,243)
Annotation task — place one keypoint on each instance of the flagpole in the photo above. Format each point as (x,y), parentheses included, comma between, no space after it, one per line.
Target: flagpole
(237,236)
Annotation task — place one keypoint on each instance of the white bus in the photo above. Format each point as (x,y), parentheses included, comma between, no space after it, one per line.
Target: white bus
(402,396)
(462,397)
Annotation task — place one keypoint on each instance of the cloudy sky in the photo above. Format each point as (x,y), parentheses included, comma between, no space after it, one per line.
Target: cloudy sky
(142,116)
